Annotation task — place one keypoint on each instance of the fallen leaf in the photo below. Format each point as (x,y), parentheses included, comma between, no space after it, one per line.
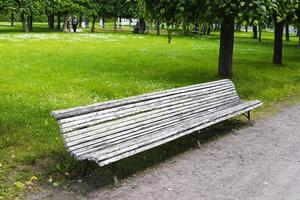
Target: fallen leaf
(56,184)
(19,185)
(28,183)
(33,178)
(50,180)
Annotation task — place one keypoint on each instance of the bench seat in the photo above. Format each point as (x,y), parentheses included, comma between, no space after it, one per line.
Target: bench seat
(114,130)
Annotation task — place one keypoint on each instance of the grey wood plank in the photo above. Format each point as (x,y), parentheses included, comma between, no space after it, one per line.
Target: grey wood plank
(177,112)
(135,149)
(152,114)
(139,123)
(181,127)
(65,128)
(60,114)
(147,105)
(115,114)
(133,135)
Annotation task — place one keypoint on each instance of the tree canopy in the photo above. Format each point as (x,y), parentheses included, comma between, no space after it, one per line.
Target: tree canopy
(174,13)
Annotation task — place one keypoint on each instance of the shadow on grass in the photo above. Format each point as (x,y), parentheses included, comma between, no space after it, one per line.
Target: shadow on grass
(18,29)
(86,177)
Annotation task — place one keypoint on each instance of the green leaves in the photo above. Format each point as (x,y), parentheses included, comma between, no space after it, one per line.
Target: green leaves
(19,185)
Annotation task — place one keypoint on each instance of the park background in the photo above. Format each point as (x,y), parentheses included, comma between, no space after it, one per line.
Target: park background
(48,68)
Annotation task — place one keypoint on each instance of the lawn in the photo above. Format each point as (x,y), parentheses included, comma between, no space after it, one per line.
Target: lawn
(41,72)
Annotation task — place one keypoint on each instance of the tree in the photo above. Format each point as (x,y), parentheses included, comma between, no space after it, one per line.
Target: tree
(168,11)
(6,7)
(282,11)
(194,12)
(256,15)
(50,10)
(297,21)
(227,11)
(27,10)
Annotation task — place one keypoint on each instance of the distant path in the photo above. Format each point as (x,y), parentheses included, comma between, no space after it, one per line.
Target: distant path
(260,162)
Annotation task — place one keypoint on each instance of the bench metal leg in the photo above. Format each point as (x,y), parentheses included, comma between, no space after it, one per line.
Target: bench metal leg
(248,115)
(114,172)
(198,143)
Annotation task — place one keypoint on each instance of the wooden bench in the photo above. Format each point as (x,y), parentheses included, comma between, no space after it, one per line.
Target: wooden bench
(110,131)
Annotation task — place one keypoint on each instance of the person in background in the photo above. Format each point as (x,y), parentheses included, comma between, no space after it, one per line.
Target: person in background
(87,22)
(74,23)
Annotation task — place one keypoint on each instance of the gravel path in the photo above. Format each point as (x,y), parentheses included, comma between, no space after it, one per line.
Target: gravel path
(260,162)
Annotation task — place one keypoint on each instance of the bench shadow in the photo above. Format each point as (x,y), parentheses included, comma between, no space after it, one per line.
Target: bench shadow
(83,181)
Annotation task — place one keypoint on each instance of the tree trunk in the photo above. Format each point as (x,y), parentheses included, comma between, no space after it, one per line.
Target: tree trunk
(208,29)
(93,24)
(226,47)
(204,29)
(65,22)
(80,21)
(277,56)
(157,27)
(298,31)
(30,22)
(185,24)
(287,33)
(259,32)
(24,21)
(141,26)
(51,21)
(254,32)
(115,23)
(217,27)
(103,22)
(12,19)
(120,22)
(58,22)
(169,35)
(246,28)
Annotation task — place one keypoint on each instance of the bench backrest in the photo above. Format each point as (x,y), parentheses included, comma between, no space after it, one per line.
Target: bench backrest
(87,125)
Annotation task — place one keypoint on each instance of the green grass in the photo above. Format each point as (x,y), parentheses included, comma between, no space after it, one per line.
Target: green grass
(41,72)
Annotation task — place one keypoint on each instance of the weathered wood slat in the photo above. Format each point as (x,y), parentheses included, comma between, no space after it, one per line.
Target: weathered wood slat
(125,152)
(132,126)
(145,105)
(132,135)
(182,126)
(173,137)
(91,142)
(152,114)
(123,112)
(159,113)
(60,114)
